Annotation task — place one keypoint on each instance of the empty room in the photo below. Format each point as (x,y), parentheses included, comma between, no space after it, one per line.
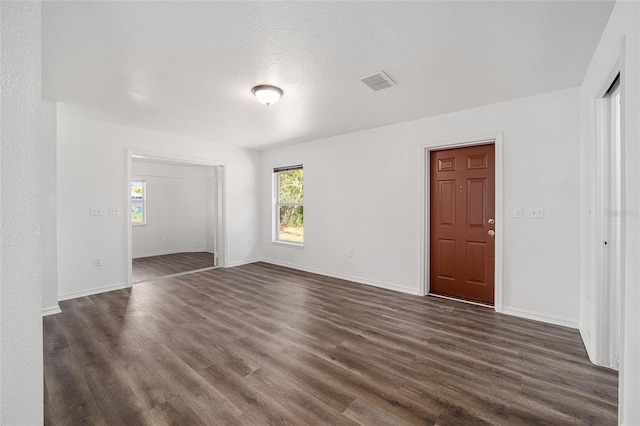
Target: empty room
(310,213)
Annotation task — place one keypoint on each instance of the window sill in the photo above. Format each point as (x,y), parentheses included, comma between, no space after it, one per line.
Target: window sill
(288,244)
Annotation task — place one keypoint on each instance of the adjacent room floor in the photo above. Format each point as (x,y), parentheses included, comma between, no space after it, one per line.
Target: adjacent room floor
(260,344)
(146,268)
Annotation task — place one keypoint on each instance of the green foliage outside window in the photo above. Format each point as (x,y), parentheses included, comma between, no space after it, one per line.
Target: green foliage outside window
(290,209)
(137,203)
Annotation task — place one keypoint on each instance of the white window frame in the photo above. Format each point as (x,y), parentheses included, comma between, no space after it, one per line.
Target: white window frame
(277,204)
(144,201)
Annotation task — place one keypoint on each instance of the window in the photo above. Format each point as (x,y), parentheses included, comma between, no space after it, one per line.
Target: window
(289,198)
(138,198)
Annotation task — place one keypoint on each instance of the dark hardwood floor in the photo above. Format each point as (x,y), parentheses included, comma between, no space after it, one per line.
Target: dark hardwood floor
(261,344)
(147,268)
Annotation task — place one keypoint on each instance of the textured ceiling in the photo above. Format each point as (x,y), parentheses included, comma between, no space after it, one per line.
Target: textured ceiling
(188,67)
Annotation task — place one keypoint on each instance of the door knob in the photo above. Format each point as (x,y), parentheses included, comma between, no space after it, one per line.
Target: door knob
(491,221)
(491,232)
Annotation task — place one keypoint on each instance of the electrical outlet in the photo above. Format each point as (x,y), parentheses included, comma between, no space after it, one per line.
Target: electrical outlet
(97,261)
(536,213)
(96,211)
(114,210)
(351,253)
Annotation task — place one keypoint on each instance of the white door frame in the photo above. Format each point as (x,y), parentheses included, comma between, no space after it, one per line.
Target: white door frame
(221,237)
(608,262)
(425,237)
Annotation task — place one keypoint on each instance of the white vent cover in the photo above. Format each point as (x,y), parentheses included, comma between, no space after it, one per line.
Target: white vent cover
(378,81)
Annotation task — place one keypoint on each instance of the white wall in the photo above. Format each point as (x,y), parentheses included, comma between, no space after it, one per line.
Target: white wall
(92,173)
(164,191)
(194,233)
(21,397)
(362,192)
(624,22)
(48,116)
(211,184)
(177,209)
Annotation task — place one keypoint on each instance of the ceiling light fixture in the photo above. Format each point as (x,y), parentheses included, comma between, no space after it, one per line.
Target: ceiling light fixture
(267,94)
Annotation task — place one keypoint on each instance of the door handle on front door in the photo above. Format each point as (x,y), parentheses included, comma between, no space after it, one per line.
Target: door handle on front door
(491,221)
(491,232)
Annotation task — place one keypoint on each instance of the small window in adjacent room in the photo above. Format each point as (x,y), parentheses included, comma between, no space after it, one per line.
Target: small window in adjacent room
(289,199)
(138,207)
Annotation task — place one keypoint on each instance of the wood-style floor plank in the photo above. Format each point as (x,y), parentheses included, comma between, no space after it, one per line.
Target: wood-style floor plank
(265,345)
(153,267)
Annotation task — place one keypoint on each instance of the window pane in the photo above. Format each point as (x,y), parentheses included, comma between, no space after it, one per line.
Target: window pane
(291,223)
(137,202)
(137,213)
(137,190)
(291,186)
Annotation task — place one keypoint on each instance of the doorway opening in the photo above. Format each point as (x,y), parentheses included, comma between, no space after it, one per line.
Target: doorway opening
(452,263)
(177,216)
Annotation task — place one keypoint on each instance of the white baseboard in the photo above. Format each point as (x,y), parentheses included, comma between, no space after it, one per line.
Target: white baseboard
(165,252)
(359,280)
(51,310)
(242,262)
(92,291)
(586,340)
(540,317)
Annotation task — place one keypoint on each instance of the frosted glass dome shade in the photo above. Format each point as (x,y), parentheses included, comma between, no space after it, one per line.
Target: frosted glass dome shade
(267,94)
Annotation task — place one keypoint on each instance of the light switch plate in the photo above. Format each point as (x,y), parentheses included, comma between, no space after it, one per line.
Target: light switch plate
(517,213)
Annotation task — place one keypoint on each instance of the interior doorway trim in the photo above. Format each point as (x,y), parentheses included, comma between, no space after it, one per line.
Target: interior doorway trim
(425,151)
(607,268)
(222,208)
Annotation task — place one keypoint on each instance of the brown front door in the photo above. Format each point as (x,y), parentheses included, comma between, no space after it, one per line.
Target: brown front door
(462,211)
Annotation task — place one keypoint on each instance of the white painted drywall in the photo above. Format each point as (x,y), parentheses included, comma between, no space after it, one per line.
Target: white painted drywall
(362,192)
(21,383)
(194,210)
(624,22)
(48,117)
(92,173)
(211,183)
(163,232)
(177,203)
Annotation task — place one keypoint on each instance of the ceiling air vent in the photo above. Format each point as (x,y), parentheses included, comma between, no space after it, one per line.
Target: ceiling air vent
(378,81)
